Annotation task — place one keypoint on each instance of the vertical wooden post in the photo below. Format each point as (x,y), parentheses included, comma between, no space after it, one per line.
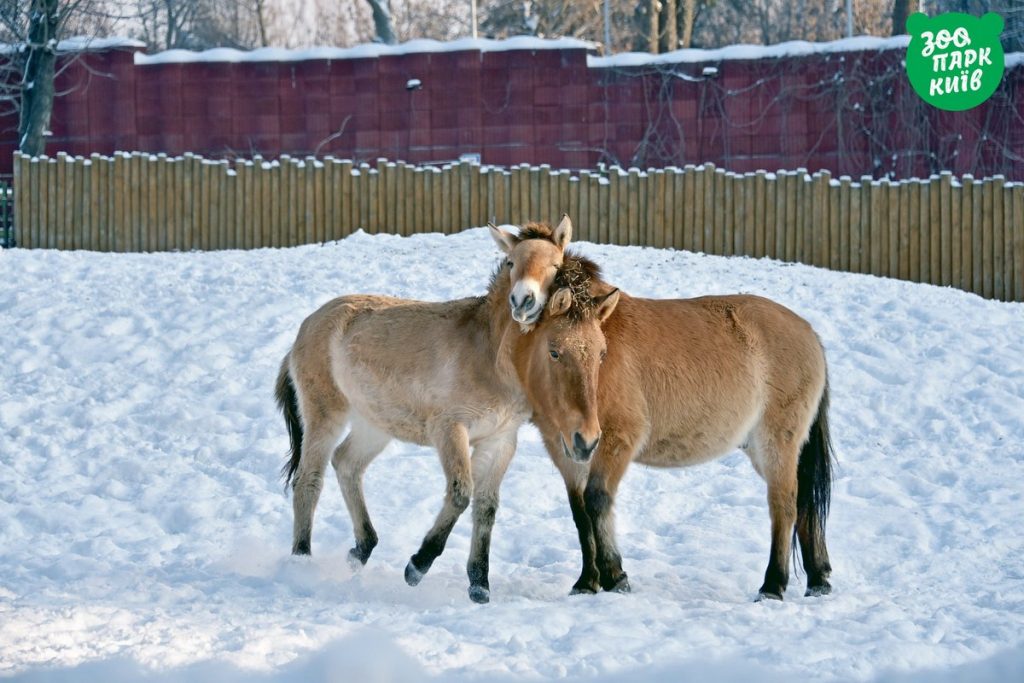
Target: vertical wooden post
(661,237)
(858,219)
(706,209)
(633,206)
(689,213)
(944,270)
(728,201)
(794,185)
(78,222)
(1018,241)
(845,239)
(987,251)
(771,219)
(998,287)
(955,216)
(1008,268)
(834,247)
(30,188)
(901,243)
(816,231)
(58,196)
(966,233)
(592,203)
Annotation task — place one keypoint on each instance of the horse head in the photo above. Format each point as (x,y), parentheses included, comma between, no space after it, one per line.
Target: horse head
(533,257)
(559,359)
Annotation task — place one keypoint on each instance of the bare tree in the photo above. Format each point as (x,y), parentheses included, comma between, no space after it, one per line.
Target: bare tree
(653,10)
(382,21)
(900,12)
(202,24)
(671,26)
(689,12)
(28,68)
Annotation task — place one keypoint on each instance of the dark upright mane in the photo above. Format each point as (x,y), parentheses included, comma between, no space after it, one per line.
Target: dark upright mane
(536,231)
(578,274)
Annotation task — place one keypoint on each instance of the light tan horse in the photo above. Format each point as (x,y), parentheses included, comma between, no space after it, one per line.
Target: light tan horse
(686,381)
(434,374)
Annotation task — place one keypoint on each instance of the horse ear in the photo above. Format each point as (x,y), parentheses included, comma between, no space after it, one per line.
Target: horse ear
(606,304)
(505,240)
(560,302)
(563,233)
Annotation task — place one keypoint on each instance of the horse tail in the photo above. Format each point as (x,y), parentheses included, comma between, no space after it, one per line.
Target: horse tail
(814,473)
(288,402)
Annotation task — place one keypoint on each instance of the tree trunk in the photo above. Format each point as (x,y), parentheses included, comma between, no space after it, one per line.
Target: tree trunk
(261,21)
(37,76)
(382,21)
(671,34)
(652,26)
(900,12)
(689,9)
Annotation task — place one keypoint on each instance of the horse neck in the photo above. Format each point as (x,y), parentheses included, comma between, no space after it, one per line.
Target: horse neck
(499,317)
(503,330)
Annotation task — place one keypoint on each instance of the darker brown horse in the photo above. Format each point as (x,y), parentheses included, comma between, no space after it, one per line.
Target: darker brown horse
(684,381)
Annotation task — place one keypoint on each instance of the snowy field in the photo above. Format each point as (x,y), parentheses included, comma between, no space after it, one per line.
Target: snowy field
(143,526)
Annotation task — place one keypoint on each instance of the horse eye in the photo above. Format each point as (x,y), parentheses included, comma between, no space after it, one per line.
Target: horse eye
(554,354)
(603,355)
(508,263)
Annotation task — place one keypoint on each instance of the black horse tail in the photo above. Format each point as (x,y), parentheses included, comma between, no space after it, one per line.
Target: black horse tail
(814,474)
(288,402)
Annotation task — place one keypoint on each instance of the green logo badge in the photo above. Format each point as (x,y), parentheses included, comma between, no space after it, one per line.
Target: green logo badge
(955,61)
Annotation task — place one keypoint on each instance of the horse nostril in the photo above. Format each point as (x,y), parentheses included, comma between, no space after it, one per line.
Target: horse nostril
(581,446)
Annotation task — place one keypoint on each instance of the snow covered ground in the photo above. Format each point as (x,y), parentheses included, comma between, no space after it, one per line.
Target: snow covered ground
(143,526)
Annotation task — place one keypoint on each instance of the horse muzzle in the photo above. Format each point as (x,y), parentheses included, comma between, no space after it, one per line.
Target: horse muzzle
(527,310)
(581,451)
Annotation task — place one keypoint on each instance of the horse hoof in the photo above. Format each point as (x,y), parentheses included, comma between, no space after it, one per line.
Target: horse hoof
(768,595)
(817,591)
(356,559)
(412,575)
(479,594)
(621,586)
(583,589)
(301,548)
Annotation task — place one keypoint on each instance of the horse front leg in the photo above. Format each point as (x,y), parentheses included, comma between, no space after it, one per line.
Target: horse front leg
(453,449)
(574,474)
(490,462)
(606,471)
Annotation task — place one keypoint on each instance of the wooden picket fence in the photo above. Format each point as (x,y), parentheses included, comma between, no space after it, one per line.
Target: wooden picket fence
(963,232)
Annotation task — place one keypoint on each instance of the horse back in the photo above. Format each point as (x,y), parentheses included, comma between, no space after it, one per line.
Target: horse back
(410,367)
(688,379)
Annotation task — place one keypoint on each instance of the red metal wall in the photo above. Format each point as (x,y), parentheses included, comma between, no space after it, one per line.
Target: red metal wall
(850,112)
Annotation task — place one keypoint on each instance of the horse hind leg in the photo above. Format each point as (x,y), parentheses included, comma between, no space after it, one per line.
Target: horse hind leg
(318,441)
(814,492)
(815,556)
(351,458)
(490,462)
(453,449)
(777,463)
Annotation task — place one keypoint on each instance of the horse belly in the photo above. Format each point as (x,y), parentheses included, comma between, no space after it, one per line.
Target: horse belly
(392,406)
(700,441)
